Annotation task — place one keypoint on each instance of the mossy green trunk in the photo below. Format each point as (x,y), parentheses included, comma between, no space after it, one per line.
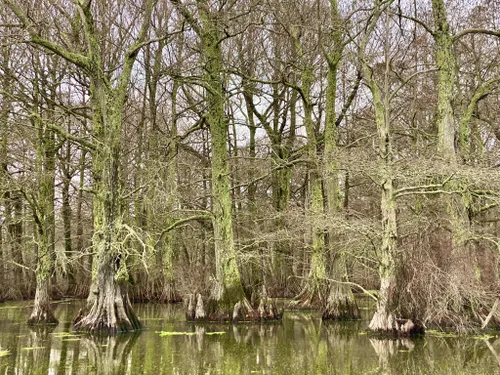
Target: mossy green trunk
(228,289)
(108,306)
(340,303)
(445,61)
(384,319)
(314,289)
(109,309)
(457,204)
(43,212)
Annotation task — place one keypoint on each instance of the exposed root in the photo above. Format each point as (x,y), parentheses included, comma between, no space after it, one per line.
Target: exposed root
(108,312)
(241,311)
(387,324)
(308,299)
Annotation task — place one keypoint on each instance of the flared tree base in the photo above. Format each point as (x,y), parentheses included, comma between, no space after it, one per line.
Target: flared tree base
(340,304)
(108,313)
(42,310)
(387,324)
(343,308)
(241,311)
(308,299)
(42,315)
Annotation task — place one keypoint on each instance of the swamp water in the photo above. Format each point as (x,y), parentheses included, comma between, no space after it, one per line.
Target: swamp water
(301,344)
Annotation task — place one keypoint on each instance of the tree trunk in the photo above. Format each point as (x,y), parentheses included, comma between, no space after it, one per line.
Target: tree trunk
(109,308)
(314,289)
(43,213)
(227,300)
(66,215)
(42,310)
(384,320)
(108,305)
(446,77)
(340,303)
(228,290)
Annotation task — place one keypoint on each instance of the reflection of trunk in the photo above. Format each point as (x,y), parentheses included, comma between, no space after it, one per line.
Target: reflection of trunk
(111,355)
(385,349)
(40,341)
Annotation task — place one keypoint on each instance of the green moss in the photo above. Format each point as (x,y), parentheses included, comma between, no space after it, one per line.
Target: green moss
(176,333)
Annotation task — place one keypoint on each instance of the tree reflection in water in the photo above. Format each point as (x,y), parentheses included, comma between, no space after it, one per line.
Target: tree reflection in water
(301,344)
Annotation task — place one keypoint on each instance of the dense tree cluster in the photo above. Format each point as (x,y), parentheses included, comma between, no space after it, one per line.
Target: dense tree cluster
(226,152)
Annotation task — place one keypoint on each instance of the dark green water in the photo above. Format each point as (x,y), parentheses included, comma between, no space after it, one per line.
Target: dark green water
(301,344)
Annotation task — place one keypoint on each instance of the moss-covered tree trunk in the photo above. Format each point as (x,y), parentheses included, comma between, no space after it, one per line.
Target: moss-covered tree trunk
(109,309)
(384,320)
(43,213)
(227,300)
(459,201)
(228,290)
(108,305)
(340,302)
(314,290)
(168,290)
(66,212)
(446,78)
